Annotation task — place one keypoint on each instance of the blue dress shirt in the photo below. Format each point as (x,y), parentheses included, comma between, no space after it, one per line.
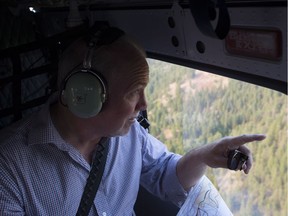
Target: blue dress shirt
(41,174)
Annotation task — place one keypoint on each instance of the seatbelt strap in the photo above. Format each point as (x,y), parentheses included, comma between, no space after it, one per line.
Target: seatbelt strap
(94,178)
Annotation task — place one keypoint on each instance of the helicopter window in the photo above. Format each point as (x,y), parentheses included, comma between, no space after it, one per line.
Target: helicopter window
(188,108)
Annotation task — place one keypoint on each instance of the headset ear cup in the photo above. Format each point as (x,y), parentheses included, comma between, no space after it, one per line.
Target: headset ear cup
(83,94)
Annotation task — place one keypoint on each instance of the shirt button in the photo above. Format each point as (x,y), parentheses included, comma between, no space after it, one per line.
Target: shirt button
(104,214)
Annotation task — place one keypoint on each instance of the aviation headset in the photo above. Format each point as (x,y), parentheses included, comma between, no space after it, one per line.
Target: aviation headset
(85,90)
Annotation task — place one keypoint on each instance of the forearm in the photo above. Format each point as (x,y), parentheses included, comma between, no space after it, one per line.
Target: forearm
(191,167)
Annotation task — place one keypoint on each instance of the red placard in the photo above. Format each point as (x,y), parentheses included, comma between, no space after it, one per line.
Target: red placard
(258,43)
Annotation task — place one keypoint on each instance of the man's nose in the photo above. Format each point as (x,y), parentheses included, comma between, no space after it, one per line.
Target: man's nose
(142,103)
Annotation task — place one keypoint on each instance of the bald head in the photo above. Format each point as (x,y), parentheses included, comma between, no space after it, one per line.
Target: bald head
(124,67)
(111,61)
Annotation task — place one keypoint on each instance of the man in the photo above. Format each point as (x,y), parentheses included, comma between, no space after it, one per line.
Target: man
(45,160)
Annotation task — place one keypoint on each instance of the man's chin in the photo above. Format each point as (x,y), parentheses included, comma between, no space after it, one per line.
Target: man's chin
(123,131)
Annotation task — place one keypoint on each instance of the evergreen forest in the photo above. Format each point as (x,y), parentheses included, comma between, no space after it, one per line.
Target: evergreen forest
(188,108)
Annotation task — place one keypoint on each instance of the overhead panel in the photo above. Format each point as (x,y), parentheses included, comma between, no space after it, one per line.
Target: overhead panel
(255,45)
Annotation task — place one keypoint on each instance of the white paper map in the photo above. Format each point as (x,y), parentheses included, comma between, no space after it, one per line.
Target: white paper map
(204,200)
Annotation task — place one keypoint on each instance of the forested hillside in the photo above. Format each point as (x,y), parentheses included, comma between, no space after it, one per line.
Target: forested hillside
(188,108)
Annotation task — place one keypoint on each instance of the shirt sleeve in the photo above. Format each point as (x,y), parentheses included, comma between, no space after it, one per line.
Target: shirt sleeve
(10,199)
(158,174)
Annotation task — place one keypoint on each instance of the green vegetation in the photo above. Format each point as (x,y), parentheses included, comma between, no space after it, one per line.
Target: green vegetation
(188,108)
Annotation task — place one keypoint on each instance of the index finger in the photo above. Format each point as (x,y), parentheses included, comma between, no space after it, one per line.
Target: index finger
(238,141)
